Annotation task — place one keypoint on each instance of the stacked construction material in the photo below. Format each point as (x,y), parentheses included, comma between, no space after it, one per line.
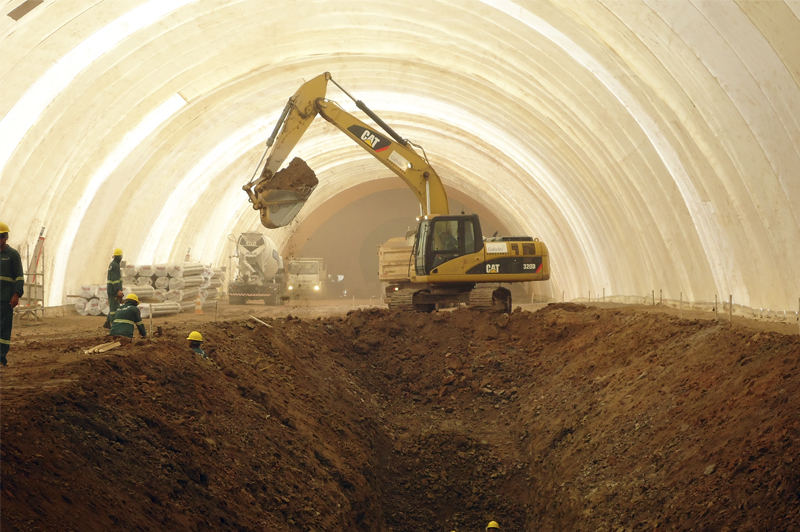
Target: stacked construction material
(185,269)
(168,287)
(141,281)
(160,309)
(181,283)
(142,291)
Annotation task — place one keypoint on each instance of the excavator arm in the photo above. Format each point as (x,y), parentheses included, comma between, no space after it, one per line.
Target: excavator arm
(279,207)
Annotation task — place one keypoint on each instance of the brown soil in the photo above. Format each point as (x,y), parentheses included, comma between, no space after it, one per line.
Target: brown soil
(296,176)
(565,418)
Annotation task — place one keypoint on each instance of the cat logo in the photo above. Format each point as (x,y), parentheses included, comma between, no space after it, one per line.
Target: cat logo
(374,140)
(492,268)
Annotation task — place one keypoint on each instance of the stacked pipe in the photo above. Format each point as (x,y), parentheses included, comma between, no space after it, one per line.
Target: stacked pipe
(141,291)
(210,293)
(160,309)
(93,307)
(185,269)
(82,306)
(160,270)
(182,283)
(142,281)
(175,285)
(190,294)
(211,283)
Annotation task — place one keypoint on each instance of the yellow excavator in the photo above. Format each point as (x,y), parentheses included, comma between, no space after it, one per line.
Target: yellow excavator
(451,262)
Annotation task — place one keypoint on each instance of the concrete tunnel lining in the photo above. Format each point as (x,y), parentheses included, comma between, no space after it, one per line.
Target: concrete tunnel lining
(660,140)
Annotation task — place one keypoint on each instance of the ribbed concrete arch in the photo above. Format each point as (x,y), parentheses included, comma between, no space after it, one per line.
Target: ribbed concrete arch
(650,144)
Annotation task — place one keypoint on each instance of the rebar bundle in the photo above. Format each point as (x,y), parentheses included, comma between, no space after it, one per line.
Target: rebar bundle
(160,294)
(147,270)
(129,270)
(143,281)
(162,282)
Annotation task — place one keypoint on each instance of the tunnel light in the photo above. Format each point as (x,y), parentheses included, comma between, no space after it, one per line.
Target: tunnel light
(316,288)
(291,287)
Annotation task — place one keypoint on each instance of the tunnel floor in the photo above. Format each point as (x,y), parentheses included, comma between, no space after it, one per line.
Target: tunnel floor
(566,418)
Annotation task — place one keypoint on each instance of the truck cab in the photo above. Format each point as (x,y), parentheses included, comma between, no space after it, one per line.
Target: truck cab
(305,278)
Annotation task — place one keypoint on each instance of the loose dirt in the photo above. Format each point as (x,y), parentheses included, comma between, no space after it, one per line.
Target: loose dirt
(296,176)
(563,417)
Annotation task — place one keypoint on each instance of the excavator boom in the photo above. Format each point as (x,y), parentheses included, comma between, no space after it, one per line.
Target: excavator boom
(279,206)
(450,256)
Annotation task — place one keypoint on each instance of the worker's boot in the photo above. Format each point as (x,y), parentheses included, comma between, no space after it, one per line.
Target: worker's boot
(106,325)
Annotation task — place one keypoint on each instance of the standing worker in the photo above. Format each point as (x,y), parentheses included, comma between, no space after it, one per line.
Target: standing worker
(12,285)
(492,526)
(195,339)
(128,315)
(114,287)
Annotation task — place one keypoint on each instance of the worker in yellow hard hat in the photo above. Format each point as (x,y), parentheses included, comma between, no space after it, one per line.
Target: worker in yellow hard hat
(128,315)
(114,287)
(492,526)
(195,339)
(12,284)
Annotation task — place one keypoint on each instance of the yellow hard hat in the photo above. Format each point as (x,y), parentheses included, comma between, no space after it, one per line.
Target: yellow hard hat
(492,524)
(133,297)
(196,336)
(3,228)
(118,252)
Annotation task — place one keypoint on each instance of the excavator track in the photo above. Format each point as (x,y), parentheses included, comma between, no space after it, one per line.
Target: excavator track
(481,298)
(490,298)
(402,300)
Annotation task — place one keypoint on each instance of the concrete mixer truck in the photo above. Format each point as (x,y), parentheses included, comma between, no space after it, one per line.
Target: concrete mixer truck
(259,270)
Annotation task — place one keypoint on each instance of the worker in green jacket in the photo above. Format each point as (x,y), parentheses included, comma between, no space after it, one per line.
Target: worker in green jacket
(12,284)
(114,287)
(128,315)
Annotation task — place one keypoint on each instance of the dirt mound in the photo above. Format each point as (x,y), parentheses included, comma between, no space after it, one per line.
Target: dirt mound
(569,418)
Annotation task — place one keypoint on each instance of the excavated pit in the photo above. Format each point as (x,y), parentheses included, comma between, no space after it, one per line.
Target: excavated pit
(567,418)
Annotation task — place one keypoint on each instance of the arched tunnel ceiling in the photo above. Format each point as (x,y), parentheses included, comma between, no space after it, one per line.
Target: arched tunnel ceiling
(653,145)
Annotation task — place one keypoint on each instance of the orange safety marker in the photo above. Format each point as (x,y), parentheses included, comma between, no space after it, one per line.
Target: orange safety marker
(198,306)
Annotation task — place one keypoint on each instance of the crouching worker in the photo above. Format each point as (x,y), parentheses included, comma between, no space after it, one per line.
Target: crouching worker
(195,339)
(128,315)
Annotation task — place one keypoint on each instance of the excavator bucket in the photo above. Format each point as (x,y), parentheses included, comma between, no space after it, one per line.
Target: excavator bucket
(281,197)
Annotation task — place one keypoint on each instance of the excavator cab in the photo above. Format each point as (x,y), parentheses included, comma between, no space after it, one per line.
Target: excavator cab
(441,239)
